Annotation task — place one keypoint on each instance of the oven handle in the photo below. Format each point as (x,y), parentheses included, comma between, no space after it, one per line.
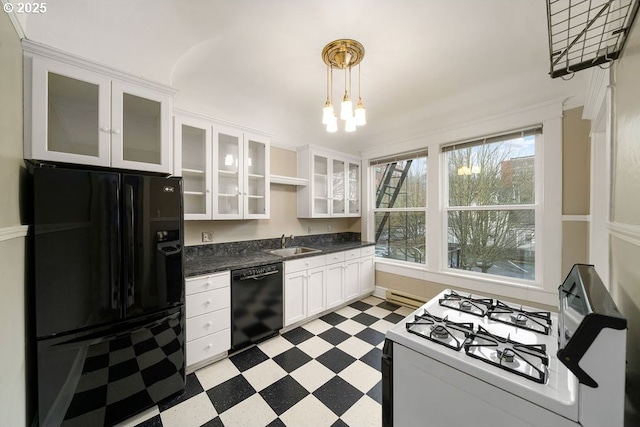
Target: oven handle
(259,276)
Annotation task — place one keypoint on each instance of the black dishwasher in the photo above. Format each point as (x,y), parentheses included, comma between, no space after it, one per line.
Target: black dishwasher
(256,304)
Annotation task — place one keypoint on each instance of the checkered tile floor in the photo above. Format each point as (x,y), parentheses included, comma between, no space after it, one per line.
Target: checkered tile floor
(323,373)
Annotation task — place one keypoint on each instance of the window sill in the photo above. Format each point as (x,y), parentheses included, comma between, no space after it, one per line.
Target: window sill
(493,285)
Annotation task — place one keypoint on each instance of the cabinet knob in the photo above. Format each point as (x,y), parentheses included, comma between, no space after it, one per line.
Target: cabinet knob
(207,284)
(207,302)
(104,129)
(208,191)
(115,131)
(208,346)
(209,323)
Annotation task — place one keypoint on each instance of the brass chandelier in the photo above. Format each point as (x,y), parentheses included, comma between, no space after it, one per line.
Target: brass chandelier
(343,54)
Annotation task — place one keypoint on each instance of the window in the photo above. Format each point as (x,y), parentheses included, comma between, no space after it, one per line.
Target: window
(491,205)
(400,207)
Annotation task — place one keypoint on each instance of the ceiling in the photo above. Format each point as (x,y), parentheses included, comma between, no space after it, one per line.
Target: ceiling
(429,64)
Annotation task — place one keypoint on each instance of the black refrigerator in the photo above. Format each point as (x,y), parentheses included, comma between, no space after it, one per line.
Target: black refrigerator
(108,293)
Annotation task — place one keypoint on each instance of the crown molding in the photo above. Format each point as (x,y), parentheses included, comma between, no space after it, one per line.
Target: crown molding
(33,48)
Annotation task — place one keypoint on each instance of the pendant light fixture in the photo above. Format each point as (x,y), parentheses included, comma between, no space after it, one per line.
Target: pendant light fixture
(343,54)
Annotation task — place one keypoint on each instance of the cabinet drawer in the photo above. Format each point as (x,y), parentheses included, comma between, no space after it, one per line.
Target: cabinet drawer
(352,254)
(206,283)
(335,257)
(304,263)
(208,346)
(206,302)
(367,251)
(205,324)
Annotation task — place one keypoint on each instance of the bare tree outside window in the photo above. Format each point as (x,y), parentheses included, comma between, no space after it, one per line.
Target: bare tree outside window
(491,209)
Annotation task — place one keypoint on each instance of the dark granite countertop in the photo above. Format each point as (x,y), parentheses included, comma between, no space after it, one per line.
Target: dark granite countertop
(206,259)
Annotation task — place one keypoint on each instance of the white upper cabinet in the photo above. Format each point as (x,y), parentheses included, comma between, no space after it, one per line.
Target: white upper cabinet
(334,184)
(225,171)
(80,112)
(241,175)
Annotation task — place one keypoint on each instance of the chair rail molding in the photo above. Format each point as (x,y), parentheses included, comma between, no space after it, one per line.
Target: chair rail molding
(15,232)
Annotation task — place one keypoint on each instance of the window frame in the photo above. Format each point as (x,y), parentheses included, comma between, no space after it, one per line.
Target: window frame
(548,171)
(421,209)
(447,208)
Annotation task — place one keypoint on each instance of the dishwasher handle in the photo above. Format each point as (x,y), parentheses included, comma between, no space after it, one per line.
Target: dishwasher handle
(259,276)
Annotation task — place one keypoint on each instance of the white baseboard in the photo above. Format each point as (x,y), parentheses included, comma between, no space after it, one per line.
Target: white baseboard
(380,292)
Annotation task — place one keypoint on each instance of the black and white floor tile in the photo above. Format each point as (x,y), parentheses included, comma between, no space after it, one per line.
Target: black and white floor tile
(323,373)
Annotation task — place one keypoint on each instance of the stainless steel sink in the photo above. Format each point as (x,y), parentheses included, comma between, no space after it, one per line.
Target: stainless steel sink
(292,251)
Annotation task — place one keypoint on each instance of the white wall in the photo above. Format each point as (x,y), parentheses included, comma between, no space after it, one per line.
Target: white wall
(12,332)
(625,209)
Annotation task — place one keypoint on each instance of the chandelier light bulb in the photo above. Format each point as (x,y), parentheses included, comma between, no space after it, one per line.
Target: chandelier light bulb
(332,126)
(327,113)
(346,107)
(350,124)
(360,114)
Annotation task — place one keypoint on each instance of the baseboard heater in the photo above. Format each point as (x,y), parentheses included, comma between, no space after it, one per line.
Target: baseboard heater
(403,298)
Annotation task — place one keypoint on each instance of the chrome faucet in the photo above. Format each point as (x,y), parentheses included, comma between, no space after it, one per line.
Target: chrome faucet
(285,240)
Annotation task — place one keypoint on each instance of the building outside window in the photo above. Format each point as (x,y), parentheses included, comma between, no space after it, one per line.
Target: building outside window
(400,207)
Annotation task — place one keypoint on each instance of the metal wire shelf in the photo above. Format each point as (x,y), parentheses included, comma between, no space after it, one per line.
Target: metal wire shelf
(586,33)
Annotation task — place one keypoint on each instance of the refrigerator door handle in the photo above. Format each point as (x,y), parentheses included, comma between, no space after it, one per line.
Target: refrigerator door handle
(115,255)
(130,236)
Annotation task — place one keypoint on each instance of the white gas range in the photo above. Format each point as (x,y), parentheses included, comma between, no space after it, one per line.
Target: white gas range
(464,359)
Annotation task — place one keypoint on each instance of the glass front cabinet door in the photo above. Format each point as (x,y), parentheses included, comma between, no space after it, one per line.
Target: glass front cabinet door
(83,113)
(70,110)
(353,188)
(193,163)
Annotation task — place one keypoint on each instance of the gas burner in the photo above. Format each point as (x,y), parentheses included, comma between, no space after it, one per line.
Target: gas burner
(440,330)
(506,355)
(527,360)
(536,321)
(468,304)
(465,305)
(518,319)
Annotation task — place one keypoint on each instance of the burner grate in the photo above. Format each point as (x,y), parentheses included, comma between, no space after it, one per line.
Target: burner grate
(526,360)
(467,304)
(536,321)
(440,330)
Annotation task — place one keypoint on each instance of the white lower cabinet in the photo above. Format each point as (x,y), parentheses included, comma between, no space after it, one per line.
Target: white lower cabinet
(351,274)
(367,269)
(304,288)
(316,287)
(313,285)
(335,279)
(208,308)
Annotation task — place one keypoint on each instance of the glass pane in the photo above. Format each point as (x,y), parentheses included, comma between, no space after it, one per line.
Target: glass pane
(228,153)
(194,169)
(256,163)
(338,189)
(498,173)
(320,185)
(401,235)
(141,129)
(500,242)
(401,184)
(72,116)
(354,188)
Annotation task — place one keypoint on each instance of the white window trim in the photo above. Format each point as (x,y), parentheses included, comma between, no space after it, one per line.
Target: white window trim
(548,169)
